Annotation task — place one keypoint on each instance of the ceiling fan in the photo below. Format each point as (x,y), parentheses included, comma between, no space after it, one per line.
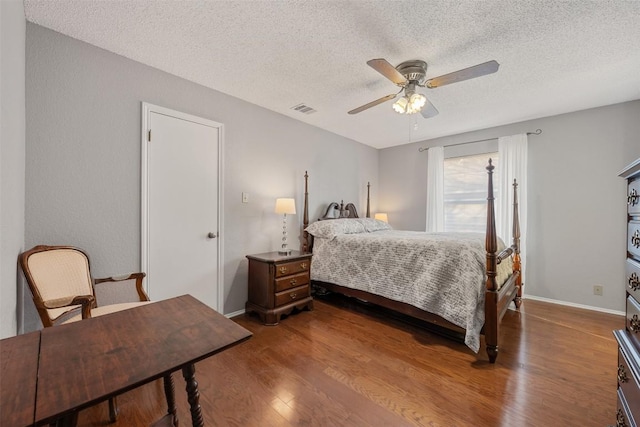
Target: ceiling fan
(411,74)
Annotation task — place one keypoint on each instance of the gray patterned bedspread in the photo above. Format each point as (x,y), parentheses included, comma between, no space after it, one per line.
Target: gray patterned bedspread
(442,273)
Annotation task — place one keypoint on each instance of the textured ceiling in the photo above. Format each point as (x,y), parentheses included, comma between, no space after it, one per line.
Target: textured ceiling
(555,56)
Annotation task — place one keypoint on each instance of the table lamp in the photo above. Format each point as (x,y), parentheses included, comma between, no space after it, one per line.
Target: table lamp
(285,206)
(382,217)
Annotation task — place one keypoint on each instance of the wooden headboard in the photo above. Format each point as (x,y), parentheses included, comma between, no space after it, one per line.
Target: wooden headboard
(334,210)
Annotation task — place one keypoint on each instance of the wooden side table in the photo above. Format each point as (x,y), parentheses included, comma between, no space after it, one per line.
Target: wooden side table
(119,352)
(19,372)
(278,284)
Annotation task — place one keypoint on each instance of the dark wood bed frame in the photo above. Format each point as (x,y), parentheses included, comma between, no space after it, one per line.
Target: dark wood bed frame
(496,300)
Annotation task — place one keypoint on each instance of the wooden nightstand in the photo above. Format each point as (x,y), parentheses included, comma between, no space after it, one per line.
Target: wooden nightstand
(278,284)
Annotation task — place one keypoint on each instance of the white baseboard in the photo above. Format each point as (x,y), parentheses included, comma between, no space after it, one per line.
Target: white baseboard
(525,297)
(234,314)
(571,304)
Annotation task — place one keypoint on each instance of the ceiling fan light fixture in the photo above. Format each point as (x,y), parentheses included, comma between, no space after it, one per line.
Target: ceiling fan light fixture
(416,102)
(410,104)
(400,106)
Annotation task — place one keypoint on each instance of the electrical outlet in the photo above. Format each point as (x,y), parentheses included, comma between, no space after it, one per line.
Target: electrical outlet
(597,290)
(245,197)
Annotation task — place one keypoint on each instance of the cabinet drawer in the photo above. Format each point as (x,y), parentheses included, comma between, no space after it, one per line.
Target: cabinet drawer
(632,278)
(633,320)
(292,267)
(633,197)
(288,282)
(291,295)
(633,239)
(623,418)
(628,383)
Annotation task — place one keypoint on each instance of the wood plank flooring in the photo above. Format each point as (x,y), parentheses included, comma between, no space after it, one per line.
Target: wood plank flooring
(345,364)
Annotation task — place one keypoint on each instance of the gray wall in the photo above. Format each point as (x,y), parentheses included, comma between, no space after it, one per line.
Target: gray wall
(576,213)
(12,148)
(83,159)
(83,176)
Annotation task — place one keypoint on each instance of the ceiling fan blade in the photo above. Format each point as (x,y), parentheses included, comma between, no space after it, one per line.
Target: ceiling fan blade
(373,103)
(428,110)
(387,70)
(464,74)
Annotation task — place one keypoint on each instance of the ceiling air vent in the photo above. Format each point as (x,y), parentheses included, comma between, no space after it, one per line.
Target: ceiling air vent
(303,109)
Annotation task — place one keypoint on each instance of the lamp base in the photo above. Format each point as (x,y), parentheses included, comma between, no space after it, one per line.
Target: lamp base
(287,252)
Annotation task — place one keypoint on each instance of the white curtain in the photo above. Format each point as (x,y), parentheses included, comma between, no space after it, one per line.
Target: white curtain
(512,152)
(435,189)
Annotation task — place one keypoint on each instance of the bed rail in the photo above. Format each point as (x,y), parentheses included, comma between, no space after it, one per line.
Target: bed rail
(506,253)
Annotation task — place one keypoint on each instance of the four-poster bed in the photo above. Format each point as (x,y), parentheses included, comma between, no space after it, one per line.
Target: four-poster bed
(451,280)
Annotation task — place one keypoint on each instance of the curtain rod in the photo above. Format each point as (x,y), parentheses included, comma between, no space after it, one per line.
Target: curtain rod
(537,132)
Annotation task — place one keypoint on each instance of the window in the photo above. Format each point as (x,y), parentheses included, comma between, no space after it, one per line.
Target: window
(465,192)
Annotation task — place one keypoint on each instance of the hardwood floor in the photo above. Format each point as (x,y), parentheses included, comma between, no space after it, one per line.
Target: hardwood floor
(344,364)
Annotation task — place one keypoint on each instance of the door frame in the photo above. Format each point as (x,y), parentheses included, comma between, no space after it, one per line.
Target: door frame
(147,109)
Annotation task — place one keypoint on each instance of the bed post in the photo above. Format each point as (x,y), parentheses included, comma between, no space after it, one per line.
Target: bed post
(368,211)
(305,218)
(517,264)
(491,321)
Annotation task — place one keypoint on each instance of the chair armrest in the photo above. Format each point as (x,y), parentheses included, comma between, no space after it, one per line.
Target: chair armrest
(86,301)
(133,276)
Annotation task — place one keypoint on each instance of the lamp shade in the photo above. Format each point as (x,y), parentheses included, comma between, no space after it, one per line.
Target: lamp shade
(400,106)
(381,217)
(286,206)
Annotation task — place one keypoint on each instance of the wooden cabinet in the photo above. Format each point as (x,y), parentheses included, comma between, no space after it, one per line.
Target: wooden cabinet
(628,413)
(278,284)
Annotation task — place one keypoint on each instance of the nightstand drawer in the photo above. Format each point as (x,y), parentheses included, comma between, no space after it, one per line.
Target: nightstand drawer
(292,267)
(288,282)
(291,295)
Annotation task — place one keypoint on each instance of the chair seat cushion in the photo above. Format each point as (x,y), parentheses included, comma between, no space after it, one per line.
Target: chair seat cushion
(107,309)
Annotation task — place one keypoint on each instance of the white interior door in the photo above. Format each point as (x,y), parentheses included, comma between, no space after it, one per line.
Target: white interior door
(181,248)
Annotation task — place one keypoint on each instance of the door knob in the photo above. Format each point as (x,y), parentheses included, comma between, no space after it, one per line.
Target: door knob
(212,235)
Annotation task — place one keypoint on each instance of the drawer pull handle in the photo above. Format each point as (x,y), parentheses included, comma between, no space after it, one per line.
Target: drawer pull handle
(634,282)
(283,270)
(622,375)
(293,295)
(293,282)
(303,265)
(634,324)
(635,239)
(633,198)
(620,422)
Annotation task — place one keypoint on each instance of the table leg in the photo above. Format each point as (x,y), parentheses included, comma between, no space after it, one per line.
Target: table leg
(70,420)
(169,392)
(113,409)
(189,374)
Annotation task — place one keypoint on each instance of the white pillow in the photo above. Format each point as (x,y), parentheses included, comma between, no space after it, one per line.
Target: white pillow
(371,224)
(330,228)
